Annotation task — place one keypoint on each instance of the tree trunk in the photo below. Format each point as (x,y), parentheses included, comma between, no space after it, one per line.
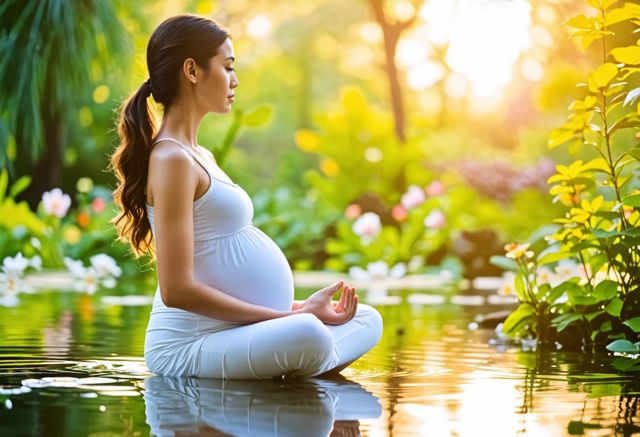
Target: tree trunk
(391,32)
(47,172)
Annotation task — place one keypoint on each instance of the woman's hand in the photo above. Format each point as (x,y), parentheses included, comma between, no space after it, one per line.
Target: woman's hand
(332,312)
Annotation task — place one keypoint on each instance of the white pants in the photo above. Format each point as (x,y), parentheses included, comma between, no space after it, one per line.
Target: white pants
(294,345)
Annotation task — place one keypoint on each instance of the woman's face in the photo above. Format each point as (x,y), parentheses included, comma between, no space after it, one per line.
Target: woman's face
(215,88)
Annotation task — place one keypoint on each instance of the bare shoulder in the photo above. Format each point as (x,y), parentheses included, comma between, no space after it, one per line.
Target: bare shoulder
(169,154)
(171,174)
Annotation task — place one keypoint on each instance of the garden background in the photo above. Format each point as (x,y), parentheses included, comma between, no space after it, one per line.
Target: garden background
(456,143)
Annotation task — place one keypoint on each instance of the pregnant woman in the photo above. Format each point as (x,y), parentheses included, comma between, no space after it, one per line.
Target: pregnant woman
(224,304)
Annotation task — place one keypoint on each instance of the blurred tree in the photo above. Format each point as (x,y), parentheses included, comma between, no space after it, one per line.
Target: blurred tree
(391,31)
(52,52)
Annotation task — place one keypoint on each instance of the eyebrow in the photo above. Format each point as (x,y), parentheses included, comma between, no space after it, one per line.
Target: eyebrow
(230,57)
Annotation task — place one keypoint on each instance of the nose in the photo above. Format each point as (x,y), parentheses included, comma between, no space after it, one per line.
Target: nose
(234,82)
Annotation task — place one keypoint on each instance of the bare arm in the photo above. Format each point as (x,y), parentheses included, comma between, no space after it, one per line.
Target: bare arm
(174,184)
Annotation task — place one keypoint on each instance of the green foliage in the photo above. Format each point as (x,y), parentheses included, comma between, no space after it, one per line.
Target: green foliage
(47,49)
(295,224)
(359,153)
(601,228)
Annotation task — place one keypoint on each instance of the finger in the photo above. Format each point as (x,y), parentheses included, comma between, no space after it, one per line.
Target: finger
(330,290)
(355,306)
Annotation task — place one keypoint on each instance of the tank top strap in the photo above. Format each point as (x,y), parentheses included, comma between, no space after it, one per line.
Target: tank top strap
(208,167)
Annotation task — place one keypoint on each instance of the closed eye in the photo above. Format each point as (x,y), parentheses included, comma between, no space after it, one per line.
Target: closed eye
(230,69)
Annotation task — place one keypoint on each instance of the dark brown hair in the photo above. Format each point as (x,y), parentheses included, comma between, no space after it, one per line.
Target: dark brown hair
(173,41)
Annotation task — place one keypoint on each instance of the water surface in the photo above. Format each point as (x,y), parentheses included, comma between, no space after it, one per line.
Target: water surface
(80,359)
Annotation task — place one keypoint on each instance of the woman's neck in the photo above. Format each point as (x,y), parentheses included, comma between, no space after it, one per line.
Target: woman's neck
(181,122)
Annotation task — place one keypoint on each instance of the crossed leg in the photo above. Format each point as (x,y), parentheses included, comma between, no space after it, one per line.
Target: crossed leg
(296,345)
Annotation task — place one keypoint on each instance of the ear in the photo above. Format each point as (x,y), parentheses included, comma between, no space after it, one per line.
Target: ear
(189,70)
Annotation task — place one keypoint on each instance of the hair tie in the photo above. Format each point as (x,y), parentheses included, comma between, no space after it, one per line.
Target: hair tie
(148,87)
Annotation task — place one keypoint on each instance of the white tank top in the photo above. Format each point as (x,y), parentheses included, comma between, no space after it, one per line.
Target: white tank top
(230,254)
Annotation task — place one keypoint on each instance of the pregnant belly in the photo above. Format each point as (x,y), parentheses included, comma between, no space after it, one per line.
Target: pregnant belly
(247,265)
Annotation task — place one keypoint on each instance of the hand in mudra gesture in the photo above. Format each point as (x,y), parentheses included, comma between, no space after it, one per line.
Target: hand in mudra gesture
(329,311)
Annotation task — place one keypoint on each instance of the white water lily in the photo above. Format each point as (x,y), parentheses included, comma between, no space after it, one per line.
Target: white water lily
(378,270)
(102,272)
(10,285)
(105,265)
(367,226)
(11,277)
(414,196)
(56,203)
(88,282)
(15,265)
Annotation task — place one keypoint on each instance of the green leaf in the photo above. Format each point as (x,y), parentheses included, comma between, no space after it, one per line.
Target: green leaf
(19,186)
(603,75)
(606,290)
(553,257)
(623,346)
(504,262)
(564,320)
(633,324)
(257,116)
(627,55)
(4,180)
(633,200)
(516,319)
(614,307)
(559,289)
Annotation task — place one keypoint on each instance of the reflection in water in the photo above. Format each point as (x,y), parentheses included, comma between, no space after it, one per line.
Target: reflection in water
(301,407)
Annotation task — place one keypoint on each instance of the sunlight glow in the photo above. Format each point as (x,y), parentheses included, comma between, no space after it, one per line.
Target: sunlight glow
(424,75)
(259,26)
(485,38)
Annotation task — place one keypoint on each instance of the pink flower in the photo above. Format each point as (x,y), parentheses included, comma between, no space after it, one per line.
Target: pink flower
(352,211)
(399,213)
(435,219)
(56,203)
(413,197)
(98,204)
(435,188)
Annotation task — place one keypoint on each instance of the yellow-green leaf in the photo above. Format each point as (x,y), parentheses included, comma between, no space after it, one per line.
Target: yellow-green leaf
(257,116)
(627,55)
(581,22)
(597,164)
(603,75)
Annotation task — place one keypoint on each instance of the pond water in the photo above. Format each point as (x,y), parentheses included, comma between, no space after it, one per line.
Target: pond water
(71,364)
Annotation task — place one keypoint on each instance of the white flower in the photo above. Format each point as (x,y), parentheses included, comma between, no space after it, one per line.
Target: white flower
(56,203)
(10,285)
(508,286)
(546,276)
(367,225)
(88,282)
(36,262)
(566,268)
(101,272)
(435,219)
(105,265)
(413,197)
(378,270)
(15,265)
(75,267)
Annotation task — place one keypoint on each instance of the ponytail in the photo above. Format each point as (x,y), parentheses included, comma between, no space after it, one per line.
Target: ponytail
(174,40)
(129,162)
